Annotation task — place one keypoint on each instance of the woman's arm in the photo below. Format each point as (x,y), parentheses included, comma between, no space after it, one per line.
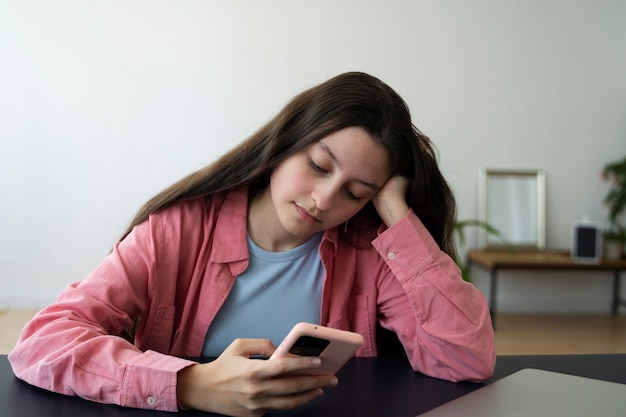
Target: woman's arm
(72,347)
(442,321)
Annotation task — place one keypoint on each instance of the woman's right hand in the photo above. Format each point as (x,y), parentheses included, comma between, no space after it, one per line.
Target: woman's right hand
(236,385)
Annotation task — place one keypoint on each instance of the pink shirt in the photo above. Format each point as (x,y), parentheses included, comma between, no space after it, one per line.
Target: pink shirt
(175,271)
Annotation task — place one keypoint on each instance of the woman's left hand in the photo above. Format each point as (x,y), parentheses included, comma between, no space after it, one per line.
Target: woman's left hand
(390,201)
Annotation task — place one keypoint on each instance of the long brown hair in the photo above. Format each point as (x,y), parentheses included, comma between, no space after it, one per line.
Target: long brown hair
(349,99)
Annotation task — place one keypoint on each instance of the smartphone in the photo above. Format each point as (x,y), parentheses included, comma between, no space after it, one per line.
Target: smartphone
(334,347)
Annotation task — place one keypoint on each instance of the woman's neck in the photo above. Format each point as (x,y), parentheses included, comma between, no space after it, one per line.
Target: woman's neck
(265,228)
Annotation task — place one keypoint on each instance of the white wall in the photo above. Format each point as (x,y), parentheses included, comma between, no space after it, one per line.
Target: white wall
(104,103)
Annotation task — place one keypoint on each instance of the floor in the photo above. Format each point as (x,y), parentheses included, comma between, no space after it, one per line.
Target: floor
(516,334)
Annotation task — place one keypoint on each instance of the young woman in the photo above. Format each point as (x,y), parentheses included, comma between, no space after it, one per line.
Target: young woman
(335,212)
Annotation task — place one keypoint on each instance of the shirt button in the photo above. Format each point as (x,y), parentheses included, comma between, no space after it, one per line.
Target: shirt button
(151,400)
(391,255)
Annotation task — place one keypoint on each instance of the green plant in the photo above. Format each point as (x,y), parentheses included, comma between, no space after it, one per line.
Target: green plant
(615,234)
(459,229)
(615,199)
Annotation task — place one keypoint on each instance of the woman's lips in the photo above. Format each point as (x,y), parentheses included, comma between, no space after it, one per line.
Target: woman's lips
(304,215)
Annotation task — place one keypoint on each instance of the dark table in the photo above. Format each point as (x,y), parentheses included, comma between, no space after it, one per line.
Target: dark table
(368,387)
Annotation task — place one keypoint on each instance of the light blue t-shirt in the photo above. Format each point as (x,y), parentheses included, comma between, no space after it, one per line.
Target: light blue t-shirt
(278,290)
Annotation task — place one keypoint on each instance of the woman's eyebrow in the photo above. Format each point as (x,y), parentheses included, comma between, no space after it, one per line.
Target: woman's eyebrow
(329,152)
(332,156)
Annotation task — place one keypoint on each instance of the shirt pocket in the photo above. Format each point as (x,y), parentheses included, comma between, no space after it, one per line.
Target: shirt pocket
(358,318)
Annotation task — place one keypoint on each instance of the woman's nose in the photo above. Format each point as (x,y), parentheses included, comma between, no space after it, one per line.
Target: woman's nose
(324,197)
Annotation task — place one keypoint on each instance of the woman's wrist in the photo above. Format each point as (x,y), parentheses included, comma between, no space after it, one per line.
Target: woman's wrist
(184,382)
(393,212)
(390,201)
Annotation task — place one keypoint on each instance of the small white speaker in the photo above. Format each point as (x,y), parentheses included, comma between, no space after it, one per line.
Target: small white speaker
(586,241)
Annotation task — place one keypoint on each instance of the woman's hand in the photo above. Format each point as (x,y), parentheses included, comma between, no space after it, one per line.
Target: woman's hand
(390,201)
(236,385)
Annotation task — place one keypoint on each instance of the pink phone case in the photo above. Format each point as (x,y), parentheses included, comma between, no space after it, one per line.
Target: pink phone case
(341,347)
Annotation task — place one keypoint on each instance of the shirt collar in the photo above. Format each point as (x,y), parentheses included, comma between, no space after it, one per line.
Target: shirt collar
(231,230)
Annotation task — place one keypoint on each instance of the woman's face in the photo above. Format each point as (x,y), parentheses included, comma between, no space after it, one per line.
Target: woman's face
(328,182)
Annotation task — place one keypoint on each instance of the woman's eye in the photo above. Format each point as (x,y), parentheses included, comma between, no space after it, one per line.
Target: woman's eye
(351,196)
(316,167)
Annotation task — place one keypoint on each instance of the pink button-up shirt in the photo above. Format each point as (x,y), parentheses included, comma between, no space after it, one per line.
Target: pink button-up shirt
(176,269)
